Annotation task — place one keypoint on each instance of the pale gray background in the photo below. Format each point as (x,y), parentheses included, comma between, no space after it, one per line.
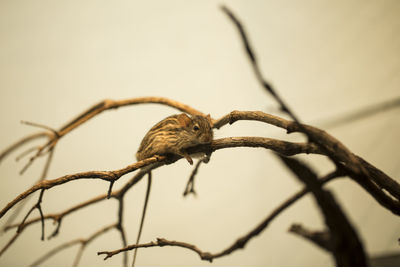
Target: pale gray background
(324,57)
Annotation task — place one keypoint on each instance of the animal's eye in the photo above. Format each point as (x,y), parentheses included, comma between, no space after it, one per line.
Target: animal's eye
(196,128)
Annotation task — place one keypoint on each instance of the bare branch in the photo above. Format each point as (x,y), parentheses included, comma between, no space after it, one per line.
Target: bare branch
(361,113)
(54,136)
(334,148)
(189,189)
(113,104)
(104,175)
(21,142)
(369,178)
(254,63)
(146,201)
(57,217)
(319,238)
(283,147)
(36,206)
(346,245)
(161,242)
(83,242)
(239,243)
(40,126)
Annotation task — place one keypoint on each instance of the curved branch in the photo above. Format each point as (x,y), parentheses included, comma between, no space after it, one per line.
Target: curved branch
(240,242)
(104,175)
(58,217)
(54,136)
(368,176)
(113,104)
(346,245)
(334,148)
(161,242)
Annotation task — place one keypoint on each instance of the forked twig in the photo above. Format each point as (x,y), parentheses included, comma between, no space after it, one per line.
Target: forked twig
(189,189)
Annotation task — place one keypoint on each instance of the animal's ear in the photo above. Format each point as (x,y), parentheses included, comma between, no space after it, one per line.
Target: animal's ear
(208,117)
(184,120)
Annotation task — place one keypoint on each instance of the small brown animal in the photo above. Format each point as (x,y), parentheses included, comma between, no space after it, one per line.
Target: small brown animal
(174,134)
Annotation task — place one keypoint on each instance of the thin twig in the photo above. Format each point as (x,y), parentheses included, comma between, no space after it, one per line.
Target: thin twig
(361,113)
(22,142)
(161,242)
(254,63)
(104,175)
(18,210)
(146,201)
(82,242)
(55,251)
(120,228)
(38,125)
(36,206)
(189,189)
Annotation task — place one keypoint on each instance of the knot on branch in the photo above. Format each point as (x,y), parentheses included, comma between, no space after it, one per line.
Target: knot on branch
(161,242)
(241,242)
(111,176)
(206,256)
(234,116)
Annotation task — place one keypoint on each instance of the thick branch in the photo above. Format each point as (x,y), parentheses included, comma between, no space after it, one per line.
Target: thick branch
(334,148)
(371,178)
(281,147)
(346,245)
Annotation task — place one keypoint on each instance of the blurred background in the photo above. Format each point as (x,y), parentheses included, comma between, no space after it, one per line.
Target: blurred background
(327,59)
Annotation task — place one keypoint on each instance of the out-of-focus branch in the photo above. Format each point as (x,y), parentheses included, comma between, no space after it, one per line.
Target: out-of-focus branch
(22,142)
(320,238)
(371,179)
(346,245)
(83,244)
(361,113)
(254,63)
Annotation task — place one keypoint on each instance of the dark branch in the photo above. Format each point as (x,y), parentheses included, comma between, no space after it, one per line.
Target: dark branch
(254,63)
(346,245)
(320,238)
